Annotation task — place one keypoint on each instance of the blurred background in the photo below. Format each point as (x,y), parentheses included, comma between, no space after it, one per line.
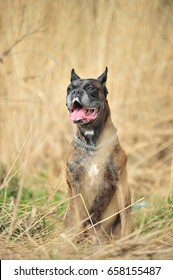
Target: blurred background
(41,41)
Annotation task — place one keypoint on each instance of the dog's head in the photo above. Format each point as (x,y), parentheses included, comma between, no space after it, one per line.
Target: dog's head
(86,98)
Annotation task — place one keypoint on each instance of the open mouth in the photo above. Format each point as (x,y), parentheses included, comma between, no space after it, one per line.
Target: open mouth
(80,113)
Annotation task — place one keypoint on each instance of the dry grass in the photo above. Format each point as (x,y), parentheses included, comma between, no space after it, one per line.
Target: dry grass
(40,42)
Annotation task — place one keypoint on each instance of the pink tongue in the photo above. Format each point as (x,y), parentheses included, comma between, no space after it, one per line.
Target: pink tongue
(83,114)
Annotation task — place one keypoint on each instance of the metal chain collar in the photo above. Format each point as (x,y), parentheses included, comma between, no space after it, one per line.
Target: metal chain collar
(94,148)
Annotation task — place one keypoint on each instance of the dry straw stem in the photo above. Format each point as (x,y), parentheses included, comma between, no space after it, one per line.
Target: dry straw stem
(102,221)
(13,164)
(89,217)
(17,41)
(31,240)
(150,245)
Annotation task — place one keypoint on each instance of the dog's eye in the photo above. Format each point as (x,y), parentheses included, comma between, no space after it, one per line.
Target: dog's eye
(90,88)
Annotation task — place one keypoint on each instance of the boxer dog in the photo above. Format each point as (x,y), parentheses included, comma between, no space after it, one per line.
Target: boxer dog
(96,165)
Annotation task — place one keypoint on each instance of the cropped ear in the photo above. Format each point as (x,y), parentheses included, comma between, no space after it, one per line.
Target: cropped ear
(74,76)
(103,77)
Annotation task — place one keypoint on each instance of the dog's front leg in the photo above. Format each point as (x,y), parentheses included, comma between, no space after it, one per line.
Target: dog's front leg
(124,201)
(101,202)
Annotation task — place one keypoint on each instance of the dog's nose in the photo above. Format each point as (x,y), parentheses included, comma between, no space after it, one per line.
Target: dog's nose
(76,93)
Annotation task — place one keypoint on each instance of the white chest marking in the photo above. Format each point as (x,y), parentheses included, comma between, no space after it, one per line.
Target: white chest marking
(93,172)
(89,132)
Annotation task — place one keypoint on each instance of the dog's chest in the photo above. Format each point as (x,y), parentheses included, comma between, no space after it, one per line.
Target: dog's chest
(85,170)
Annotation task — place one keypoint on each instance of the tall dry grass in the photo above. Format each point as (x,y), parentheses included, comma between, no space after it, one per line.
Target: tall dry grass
(41,41)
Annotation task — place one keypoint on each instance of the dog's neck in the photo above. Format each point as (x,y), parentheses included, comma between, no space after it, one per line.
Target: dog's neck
(94,134)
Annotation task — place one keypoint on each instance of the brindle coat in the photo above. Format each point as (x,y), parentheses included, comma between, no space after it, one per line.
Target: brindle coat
(97,180)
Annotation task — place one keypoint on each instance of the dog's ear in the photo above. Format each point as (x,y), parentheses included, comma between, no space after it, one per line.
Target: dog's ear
(103,77)
(74,76)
